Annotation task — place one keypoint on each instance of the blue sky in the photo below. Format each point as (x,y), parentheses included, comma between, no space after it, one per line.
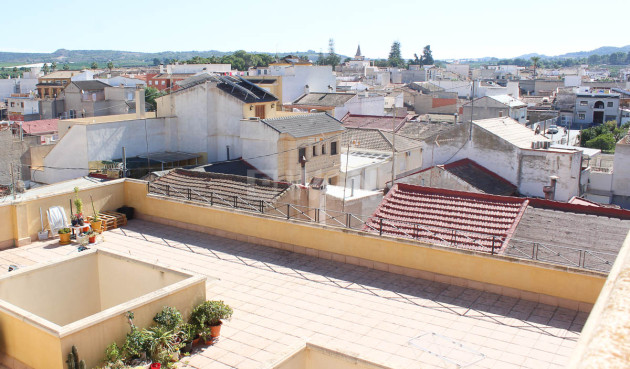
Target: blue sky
(454,29)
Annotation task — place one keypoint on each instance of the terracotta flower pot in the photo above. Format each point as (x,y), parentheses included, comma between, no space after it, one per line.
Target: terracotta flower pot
(195,342)
(92,239)
(156,366)
(215,330)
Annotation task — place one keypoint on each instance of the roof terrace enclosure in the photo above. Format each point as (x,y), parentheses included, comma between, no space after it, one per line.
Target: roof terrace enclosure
(81,300)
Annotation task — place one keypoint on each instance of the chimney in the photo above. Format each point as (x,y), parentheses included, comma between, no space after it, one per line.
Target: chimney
(306,89)
(140,108)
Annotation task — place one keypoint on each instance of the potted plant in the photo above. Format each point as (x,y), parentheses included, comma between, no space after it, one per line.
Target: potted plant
(187,334)
(78,203)
(64,236)
(169,317)
(96,221)
(91,237)
(163,345)
(209,315)
(206,335)
(74,220)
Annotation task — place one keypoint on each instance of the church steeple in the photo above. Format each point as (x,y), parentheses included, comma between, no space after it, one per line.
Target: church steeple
(358,51)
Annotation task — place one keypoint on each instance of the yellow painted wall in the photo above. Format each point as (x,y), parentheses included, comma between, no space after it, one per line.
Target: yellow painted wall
(31,345)
(64,292)
(121,280)
(506,272)
(24,217)
(6,226)
(91,342)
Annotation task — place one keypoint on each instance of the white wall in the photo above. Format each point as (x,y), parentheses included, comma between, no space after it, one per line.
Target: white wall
(463,89)
(69,152)
(259,140)
(363,105)
(529,170)
(295,77)
(198,68)
(621,170)
(208,121)
(106,140)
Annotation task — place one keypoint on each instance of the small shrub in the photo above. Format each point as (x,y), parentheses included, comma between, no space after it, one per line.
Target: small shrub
(169,317)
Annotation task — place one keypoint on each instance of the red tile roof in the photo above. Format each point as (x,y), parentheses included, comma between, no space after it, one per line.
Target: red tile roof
(40,126)
(451,218)
(383,123)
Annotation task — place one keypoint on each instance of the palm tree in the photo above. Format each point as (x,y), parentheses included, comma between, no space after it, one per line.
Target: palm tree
(110,65)
(535,60)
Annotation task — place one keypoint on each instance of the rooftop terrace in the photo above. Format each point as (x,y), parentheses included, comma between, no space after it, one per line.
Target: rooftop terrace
(282,299)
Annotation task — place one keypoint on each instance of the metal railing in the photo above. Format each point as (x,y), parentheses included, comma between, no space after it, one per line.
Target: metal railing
(445,236)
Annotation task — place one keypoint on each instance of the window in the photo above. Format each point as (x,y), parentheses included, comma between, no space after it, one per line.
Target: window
(324,149)
(22,105)
(12,104)
(150,83)
(583,103)
(610,104)
(314,150)
(163,83)
(260,111)
(333,148)
(581,116)
(64,82)
(301,154)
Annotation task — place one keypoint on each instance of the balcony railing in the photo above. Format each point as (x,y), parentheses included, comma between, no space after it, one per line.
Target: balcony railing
(457,238)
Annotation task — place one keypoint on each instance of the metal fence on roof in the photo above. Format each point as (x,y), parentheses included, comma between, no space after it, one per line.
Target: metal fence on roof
(456,238)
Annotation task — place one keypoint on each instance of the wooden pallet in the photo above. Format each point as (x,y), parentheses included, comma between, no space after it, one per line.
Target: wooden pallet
(111,220)
(121,219)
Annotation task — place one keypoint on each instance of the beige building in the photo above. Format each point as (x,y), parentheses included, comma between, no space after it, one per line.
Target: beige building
(52,84)
(294,148)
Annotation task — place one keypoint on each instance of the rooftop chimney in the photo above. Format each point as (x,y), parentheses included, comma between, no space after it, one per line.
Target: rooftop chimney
(140,107)
(550,191)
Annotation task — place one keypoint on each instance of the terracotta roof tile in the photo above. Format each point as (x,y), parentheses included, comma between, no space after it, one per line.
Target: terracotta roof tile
(452,218)
(40,126)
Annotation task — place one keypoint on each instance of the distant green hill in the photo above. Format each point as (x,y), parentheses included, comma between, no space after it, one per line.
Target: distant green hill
(121,58)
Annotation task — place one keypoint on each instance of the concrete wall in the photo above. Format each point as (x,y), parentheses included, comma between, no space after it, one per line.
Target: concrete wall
(294,78)
(362,105)
(21,220)
(67,160)
(528,169)
(260,142)
(427,104)
(15,152)
(106,140)
(621,167)
(439,178)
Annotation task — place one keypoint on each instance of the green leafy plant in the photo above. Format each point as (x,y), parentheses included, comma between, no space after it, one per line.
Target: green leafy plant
(137,344)
(169,317)
(96,216)
(114,356)
(64,231)
(73,359)
(78,203)
(162,344)
(188,332)
(210,313)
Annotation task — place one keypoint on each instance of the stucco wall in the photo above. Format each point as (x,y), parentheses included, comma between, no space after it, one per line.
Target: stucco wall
(569,284)
(621,173)
(106,140)
(67,160)
(260,142)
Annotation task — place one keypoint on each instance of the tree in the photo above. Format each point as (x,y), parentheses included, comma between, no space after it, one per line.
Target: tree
(53,66)
(395,59)
(535,60)
(45,69)
(332,59)
(110,65)
(320,59)
(150,94)
(603,136)
(156,61)
(427,56)
(94,65)
(65,66)
(593,59)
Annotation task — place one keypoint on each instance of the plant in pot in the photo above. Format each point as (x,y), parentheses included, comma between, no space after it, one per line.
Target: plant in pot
(188,333)
(170,318)
(78,203)
(209,315)
(163,345)
(64,236)
(74,220)
(96,220)
(91,237)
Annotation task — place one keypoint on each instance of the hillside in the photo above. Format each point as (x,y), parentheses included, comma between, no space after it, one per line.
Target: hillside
(122,58)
